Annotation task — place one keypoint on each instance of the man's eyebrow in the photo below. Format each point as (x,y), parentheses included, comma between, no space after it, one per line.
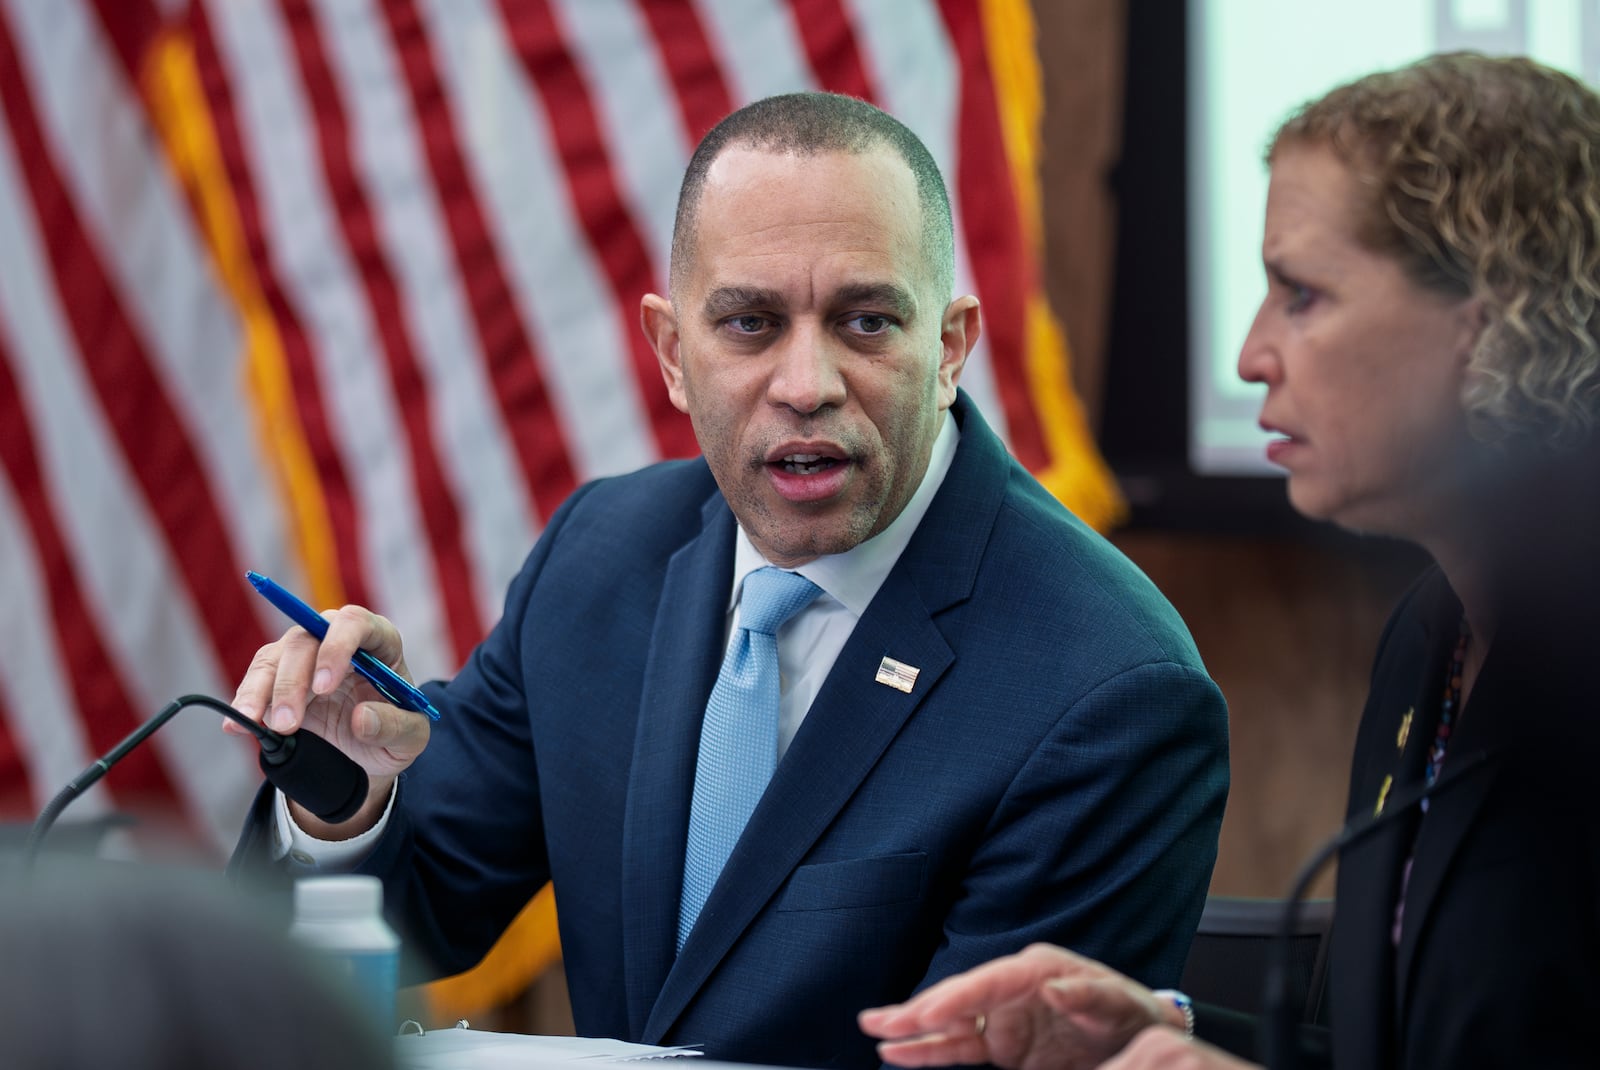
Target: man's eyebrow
(724,301)
(882,295)
(730,300)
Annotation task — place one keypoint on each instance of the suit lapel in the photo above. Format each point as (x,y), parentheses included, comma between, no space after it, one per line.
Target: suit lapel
(1401,708)
(1452,813)
(852,720)
(846,730)
(679,674)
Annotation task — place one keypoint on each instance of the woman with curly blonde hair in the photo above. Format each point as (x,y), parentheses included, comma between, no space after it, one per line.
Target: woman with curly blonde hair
(1428,342)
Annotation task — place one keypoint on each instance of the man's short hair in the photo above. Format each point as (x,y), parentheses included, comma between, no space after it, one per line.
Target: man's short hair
(809,124)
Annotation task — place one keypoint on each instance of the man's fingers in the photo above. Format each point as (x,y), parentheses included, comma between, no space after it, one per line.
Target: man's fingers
(253,697)
(293,660)
(285,676)
(353,628)
(286,709)
(401,732)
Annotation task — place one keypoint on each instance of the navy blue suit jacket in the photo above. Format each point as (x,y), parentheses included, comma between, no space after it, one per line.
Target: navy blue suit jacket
(1057,772)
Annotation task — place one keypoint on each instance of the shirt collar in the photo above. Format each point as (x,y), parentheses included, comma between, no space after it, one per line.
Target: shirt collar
(853,577)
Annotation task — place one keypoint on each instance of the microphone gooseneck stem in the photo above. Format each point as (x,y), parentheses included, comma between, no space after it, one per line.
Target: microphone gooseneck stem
(270,743)
(87,779)
(1279,1024)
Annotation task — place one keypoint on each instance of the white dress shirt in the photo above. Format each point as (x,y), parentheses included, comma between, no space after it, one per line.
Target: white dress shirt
(810,642)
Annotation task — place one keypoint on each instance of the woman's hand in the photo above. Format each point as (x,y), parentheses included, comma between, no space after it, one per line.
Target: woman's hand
(1165,1049)
(1044,1008)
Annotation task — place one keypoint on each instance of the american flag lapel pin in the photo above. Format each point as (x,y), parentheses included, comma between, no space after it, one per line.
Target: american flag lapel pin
(897,674)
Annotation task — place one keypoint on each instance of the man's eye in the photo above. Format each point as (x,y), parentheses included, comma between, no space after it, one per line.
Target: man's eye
(749,324)
(870,323)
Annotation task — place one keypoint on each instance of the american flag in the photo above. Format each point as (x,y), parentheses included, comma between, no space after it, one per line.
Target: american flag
(346,292)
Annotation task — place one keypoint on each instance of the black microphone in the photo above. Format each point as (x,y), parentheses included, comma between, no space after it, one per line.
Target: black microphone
(1278,1019)
(314,773)
(304,766)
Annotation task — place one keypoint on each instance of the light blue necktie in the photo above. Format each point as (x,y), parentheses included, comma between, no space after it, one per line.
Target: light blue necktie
(739,737)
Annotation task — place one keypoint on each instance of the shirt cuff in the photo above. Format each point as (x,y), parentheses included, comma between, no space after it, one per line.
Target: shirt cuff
(304,849)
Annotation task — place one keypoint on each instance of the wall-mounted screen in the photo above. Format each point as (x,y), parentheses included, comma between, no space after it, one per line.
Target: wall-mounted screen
(1250,62)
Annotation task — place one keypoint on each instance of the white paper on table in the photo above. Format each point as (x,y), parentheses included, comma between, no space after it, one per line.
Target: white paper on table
(478,1049)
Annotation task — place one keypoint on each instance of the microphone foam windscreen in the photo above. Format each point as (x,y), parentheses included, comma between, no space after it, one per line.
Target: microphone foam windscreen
(317,775)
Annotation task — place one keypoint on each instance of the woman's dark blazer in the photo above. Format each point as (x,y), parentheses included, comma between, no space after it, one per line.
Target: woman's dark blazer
(1498,962)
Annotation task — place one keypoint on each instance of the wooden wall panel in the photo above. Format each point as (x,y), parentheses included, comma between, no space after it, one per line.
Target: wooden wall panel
(1081,58)
(1287,628)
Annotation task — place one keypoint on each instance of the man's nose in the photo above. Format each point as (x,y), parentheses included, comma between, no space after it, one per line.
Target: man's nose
(808,374)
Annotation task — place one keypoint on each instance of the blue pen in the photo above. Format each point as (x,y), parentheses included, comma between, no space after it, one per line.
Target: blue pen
(390,684)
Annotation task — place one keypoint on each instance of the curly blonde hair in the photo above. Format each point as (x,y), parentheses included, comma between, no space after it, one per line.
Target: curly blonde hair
(1485,179)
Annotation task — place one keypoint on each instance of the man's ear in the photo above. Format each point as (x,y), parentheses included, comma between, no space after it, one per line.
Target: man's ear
(660,325)
(958,333)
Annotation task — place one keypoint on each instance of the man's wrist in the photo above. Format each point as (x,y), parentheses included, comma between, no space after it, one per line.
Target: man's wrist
(1177,1008)
(303,847)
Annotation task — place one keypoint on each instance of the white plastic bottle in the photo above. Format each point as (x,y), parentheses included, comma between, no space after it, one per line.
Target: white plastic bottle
(341,918)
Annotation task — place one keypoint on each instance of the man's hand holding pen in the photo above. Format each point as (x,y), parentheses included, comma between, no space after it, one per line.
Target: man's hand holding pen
(301,682)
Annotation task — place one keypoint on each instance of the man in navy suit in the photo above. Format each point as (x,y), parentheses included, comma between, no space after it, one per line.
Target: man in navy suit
(992,729)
